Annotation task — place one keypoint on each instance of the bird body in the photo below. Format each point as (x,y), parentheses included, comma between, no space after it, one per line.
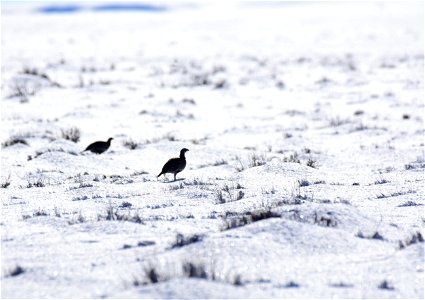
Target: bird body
(175,165)
(99,147)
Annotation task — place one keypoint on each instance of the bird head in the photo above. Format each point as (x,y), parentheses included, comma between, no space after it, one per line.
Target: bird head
(110,139)
(183,151)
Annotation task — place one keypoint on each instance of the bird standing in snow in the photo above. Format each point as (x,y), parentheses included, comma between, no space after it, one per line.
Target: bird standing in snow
(99,147)
(175,165)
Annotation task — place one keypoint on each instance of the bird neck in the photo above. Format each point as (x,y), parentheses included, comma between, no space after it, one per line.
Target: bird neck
(182,155)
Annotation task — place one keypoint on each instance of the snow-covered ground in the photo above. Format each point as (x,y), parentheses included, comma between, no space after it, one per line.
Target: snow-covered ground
(305,175)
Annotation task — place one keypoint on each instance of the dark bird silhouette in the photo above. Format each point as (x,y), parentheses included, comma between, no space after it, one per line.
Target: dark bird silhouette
(175,165)
(99,147)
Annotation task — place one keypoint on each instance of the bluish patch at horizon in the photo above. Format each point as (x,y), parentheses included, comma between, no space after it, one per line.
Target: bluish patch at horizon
(130,7)
(112,7)
(60,9)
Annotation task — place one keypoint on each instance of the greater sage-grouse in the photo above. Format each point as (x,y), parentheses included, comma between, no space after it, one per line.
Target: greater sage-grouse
(175,165)
(99,147)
